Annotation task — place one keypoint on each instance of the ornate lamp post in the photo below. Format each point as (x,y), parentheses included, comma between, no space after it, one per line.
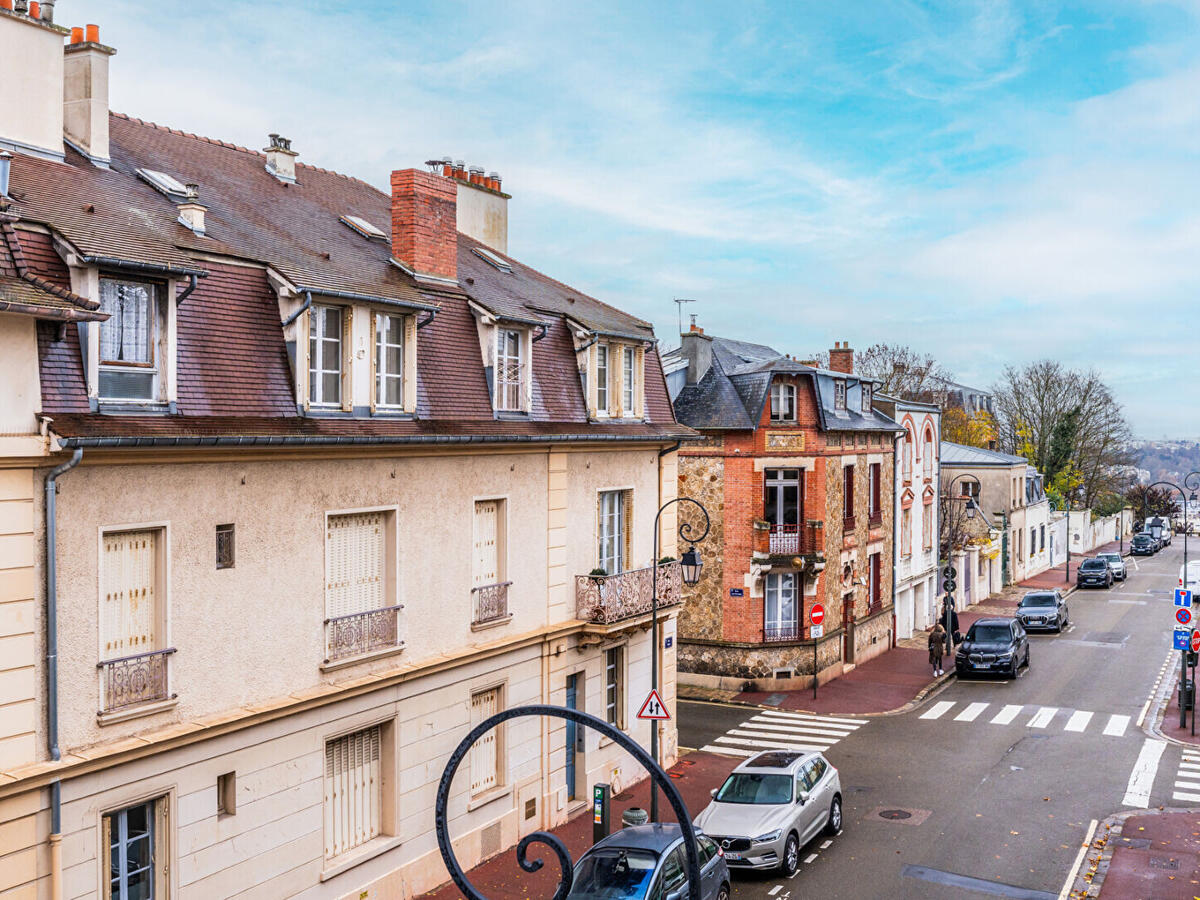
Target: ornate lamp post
(948,602)
(1186,582)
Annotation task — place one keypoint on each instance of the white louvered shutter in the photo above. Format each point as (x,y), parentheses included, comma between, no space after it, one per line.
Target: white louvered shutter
(356,561)
(485,756)
(353,794)
(128,612)
(486,562)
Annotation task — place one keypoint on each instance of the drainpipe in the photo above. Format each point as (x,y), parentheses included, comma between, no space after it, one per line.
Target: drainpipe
(895,548)
(186,292)
(301,311)
(56,891)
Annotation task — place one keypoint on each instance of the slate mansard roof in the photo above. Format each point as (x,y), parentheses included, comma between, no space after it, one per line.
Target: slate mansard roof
(234,375)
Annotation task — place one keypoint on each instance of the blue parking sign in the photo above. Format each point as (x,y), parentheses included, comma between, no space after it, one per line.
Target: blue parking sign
(1182,638)
(1183,597)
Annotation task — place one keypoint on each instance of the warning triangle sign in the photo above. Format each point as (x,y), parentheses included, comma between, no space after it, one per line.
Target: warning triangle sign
(653,707)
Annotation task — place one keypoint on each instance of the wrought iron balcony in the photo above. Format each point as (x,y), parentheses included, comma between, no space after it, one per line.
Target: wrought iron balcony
(791,631)
(605,599)
(794,540)
(364,632)
(132,680)
(491,603)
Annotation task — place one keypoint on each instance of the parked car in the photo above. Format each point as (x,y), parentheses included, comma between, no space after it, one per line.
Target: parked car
(993,646)
(1043,611)
(1094,572)
(648,861)
(1142,544)
(1193,576)
(770,806)
(1116,565)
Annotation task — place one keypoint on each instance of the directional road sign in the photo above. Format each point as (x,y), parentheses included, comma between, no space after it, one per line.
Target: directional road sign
(1183,597)
(817,614)
(1183,615)
(1183,638)
(653,707)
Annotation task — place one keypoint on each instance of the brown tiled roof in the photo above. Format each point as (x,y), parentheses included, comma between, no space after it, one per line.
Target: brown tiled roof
(24,291)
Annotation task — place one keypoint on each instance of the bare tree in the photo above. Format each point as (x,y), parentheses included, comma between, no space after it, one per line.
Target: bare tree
(905,373)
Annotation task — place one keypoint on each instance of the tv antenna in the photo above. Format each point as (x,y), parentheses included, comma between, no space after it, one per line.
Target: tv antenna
(679,301)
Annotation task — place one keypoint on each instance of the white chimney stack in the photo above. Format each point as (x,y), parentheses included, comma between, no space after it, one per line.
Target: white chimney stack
(191,210)
(281,158)
(85,94)
(31,71)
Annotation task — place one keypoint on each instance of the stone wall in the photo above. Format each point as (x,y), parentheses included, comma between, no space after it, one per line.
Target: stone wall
(702,479)
(756,662)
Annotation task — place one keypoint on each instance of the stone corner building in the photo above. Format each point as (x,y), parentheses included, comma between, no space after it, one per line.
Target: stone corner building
(797,473)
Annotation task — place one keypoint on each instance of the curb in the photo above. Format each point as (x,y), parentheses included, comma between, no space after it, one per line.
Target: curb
(1089,875)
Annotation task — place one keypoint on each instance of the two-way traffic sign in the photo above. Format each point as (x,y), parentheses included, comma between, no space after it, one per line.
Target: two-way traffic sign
(653,707)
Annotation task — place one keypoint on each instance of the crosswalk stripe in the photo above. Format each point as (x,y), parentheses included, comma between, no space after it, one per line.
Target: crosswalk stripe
(821,720)
(1116,725)
(777,725)
(971,713)
(1043,716)
(1180,795)
(1191,757)
(1007,714)
(1141,779)
(1188,785)
(1189,769)
(816,742)
(1078,721)
(728,751)
(770,745)
(938,710)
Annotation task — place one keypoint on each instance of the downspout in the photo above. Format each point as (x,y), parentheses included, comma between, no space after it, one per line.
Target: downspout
(895,550)
(52,667)
(186,292)
(301,311)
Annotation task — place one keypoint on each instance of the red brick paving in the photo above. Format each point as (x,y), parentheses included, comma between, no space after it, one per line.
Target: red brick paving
(1167,869)
(1170,723)
(501,878)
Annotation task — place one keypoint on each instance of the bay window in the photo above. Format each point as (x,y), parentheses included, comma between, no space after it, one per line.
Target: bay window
(783,402)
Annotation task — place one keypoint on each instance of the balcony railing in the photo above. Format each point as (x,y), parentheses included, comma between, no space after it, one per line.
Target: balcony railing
(131,680)
(491,602)
(791,631)
(364,632)
(605,599)
(794,540)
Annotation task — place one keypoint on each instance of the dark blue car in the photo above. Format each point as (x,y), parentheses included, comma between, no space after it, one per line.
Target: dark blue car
(648,861)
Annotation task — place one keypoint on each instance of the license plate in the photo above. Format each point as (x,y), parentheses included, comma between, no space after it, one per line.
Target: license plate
(736,857)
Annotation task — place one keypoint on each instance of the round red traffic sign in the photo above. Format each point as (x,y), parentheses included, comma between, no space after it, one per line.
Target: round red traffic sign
(817,614)
(1196,641)
(1183,615)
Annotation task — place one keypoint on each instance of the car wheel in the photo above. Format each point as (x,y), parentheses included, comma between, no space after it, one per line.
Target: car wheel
(834,823)
(791,855)
(1016,667)
(723,893)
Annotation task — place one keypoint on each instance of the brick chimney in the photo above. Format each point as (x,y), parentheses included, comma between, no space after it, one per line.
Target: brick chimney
(841,357)
(85,93)
(424,223)
(696,348)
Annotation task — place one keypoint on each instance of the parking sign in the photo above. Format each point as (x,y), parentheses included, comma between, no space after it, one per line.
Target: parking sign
(1183,638)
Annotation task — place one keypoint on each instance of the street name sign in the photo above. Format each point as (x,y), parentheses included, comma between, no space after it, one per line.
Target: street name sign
(1183,638)
(817,614)
(653,707)
(1183,597)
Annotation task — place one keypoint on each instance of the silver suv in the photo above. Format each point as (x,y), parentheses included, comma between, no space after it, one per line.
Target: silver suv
(1116,564)
(772,805)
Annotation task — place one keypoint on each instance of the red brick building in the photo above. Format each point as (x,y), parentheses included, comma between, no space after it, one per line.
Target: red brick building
(797,474)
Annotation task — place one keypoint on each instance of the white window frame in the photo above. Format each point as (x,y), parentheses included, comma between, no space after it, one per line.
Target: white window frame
(612,529)
(501,541)
(382,815)
(628,381)
(489,752)
(867,392)
(515,400)
(603,378)
(783,402)
(382,375)
(776,588)
(839,393)
(318,350)
(156,328)
(909,448)
(160,845)
(615,681)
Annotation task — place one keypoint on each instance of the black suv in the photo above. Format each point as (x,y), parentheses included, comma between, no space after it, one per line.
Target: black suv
(1142,545)
(993,646)
(1094,572)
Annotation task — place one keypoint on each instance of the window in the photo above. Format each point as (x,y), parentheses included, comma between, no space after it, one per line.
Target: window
(1032,541)
(227,794)
(780,613)
(873,580)
(628,382)
(1042,538)
(359,578)
(363,227)
(927,456)
(128,340)
(907,448)
(839,393)
(136,861)
(867,399)
(486,752)
(132,616)
(614,687)
(782,500)
(510,371)
(325,355)
(876,498)
(783,402)
(389,361)
(927,526)
(353,790)
(225,547)
(615,518)
(848,498)
(602,378)
(488,530)
(906,532)
(673,876)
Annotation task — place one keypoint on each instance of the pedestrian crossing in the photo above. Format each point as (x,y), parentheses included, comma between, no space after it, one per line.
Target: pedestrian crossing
(1077,721)
(1187,779)
(781,730)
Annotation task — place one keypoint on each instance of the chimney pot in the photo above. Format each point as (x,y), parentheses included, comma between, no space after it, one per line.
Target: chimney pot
(48,10)
(77,35)
(93,34)
(6,4)
(35,9)
(281,158)
(22,6)
(841,358)
(193,191)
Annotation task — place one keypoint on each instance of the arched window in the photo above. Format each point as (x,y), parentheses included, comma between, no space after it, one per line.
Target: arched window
(927,455)
(906,454)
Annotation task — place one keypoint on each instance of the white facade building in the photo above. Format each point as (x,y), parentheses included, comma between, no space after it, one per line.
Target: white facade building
(916,510)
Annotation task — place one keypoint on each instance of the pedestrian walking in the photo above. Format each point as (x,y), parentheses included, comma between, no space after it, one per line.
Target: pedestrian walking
(937,647)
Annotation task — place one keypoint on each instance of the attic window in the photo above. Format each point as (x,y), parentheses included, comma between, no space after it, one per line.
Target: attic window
(164,183)
(363,227)
(839,393)
(488,256)
(866,399)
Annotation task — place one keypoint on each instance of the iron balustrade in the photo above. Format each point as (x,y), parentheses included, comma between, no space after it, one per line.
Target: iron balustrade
(491,602)
(785,539)
(791,631)
(136,679)
(363,632)
(510,392)
(605,599)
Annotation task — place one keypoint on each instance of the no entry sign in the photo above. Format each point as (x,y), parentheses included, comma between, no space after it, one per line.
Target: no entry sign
(817,614)
(1196,641)
(1183,615)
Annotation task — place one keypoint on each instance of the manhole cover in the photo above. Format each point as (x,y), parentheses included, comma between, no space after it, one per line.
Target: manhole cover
(1160,862)
(895,814)
(775,700)
(899,816)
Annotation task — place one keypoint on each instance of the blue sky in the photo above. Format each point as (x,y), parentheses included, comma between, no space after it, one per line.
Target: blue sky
(992,182)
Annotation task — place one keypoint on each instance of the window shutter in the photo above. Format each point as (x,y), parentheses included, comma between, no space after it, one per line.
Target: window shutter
(128,612)
(485,752)
(374,355)
(347,358)
(352,790)
(486,549)
(356,556)
(626,529)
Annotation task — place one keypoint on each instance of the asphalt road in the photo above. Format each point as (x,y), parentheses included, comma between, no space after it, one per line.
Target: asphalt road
(997,808)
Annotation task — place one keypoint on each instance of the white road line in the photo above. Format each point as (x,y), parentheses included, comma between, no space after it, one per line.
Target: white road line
(1043,716)
(775,890)
(1142,714)
(1116,725)
(1083,848)
(1180,795)
(776,725)
(971,713)
(1007,714)
(938,710)
(819,720)
(1180,783)
(770,745)
(1191,757)
(826,845)
(1141,779)
(740,732)
(808,859)
(727,751)
(1190,766)
(1078,721)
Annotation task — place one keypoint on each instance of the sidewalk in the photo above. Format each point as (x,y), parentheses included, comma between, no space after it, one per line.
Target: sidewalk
(1155,856)
(1169,727)
(501,877)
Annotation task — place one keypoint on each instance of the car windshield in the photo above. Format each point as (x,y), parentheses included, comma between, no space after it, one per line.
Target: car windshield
(1037,600)
(613,872)
(1094,565)
(1141,538)
(1110,557)
(990,633)
(751,787)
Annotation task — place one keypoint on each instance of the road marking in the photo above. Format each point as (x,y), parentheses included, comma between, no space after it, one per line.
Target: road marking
(771,745)
(1116,725)
(785,725)
(1078,721)
(819,720)
(1141,779)
(727,751)
(1007,714)
(808,859)
(775,890)
(1179,782)
(1181,795)
(1083,849)
(938,710)
(1191,766)
(827,844)
(740,732)
(971,713)
(1042,717)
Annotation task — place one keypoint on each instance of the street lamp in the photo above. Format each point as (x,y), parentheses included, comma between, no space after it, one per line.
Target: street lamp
(1186,582)
(948,601)
(690,568)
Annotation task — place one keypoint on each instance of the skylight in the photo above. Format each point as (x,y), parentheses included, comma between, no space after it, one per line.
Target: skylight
(363,227)
(167,184)
(488,256)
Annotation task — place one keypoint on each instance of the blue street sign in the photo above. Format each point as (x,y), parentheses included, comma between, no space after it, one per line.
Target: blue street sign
(670,642)
(1182,637)
(737,592)
(1183,597)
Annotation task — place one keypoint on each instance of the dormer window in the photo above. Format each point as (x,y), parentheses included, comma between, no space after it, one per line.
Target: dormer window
(510,370)
(629,381)
(839,393)
(325,356)
(783,402)
(130,355)
(389,361)
(867,399)
(602,376)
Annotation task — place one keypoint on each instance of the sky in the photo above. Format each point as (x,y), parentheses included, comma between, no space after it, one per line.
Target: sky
(990,182)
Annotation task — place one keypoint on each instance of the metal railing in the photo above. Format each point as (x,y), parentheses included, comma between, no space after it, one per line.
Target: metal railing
(131,680)
(510,387)
(605,599)
(791,631)
(785,539)
(491,602)
(364,632)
